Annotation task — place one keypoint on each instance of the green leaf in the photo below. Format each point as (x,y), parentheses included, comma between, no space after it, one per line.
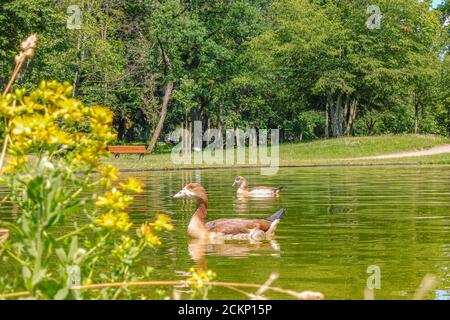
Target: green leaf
(61,255)
(26,273)
(61,294)
(73,249)
(38,276)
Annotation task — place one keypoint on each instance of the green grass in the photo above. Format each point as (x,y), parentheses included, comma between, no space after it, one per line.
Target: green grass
(322,152)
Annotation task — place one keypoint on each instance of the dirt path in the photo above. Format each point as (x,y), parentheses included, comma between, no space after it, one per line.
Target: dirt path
(445,148)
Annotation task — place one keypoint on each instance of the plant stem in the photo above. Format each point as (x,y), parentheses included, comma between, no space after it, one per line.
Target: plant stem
(73,233)
(101,243)
(14,75)
(183,282)
(8,87)
(12,255)
(165,283)
(14,295)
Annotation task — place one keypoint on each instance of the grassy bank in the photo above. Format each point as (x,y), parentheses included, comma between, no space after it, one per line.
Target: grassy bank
(323,152)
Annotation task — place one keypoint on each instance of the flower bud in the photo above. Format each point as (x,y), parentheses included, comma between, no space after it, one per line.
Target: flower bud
(29,43)
(29,53)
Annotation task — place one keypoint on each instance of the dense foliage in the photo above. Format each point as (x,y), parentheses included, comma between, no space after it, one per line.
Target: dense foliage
(309,67)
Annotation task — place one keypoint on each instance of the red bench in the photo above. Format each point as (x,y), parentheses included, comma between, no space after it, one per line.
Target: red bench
(118,150)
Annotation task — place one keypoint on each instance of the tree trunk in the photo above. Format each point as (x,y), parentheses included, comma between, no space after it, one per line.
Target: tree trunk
(238,137)
(162,118)
(80,42)
(336,115)
(167,96)
(448,121)
(219,120)
(121,128)
(416,120)
(208,133)
(351,116)
(327,120)
(346,111)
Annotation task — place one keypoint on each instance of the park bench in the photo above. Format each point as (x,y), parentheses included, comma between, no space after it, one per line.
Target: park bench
(118,150)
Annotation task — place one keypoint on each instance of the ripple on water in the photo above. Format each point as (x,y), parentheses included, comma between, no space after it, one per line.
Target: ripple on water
(339,221)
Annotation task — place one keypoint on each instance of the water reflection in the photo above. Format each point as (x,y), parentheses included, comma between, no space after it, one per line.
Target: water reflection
(200,249)
(242,203)
(338,222)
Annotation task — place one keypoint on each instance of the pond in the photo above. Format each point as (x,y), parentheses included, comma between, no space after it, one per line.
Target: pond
(339,221)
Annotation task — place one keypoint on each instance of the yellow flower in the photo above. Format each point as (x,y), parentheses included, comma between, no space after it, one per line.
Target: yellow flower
(59,137)
(107,221)
(87,157)
(50,117)
(162,222)
(115,221)
(100,115)
(133,185)
(70,110)
(152,239)
(199,277)
(14,163)
(109,172)
(22,126)
(146,232)
(114,200)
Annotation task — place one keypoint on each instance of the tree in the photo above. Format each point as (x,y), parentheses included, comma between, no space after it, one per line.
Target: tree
(323,51)
(239,63)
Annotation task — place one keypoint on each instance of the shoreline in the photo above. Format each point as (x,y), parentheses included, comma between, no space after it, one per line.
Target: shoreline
(382,164)
(343,152)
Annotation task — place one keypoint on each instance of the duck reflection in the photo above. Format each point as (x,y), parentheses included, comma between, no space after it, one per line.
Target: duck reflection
(199,249)
(241,203)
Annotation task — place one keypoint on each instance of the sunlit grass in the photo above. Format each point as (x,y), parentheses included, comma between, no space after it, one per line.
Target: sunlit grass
(321,152)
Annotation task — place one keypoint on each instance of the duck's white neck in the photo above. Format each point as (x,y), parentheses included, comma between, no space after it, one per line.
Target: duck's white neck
(244,185)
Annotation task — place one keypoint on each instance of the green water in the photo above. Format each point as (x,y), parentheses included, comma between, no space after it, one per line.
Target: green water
(339,221)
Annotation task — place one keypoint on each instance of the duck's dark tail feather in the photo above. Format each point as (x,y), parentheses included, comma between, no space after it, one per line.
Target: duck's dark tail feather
(281,188)
(277,215)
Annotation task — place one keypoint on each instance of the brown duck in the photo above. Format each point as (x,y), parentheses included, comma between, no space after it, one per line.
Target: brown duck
(244,190)
(227,228)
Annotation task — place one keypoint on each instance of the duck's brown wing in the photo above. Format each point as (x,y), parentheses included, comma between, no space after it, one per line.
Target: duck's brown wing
(266,189)
(237,226)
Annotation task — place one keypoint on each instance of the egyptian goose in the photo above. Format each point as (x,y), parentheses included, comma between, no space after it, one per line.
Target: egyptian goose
(244,190)
(232,228)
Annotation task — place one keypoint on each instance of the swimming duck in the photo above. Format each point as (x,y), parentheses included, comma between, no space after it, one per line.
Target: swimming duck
(228,228)
(244,190)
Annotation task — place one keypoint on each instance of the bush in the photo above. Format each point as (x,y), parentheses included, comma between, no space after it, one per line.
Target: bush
(66,140)
(394,121)
(309,125)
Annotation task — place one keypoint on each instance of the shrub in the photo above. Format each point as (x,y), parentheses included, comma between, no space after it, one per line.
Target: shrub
(54,170)
(308,125)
